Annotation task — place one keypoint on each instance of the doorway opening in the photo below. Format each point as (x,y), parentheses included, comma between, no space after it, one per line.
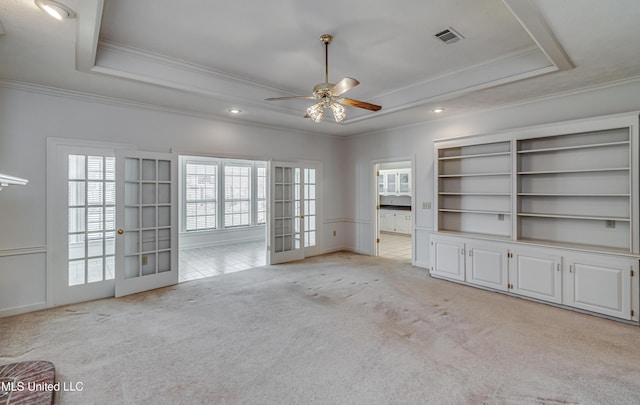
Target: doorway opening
(393,201)
(222,215)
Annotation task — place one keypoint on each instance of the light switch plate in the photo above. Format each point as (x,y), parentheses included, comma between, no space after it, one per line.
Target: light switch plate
(426,205)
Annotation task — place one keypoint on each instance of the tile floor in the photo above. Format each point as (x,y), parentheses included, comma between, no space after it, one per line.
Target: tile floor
(212,261)
(395,246)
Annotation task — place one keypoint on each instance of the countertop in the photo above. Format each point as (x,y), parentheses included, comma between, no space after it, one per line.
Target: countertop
(395,207)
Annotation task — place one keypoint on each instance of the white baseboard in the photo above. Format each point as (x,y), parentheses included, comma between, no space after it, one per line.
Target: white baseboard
(22,309)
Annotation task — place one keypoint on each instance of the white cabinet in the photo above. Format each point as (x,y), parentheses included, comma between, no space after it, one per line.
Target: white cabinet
(387,221)
(395,221)
(536,274)
(486,265)
(601,284)
(394,182)
(479,263)
(447,256)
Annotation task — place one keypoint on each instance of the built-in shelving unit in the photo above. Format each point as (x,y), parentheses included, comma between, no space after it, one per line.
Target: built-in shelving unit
(474,189)
(575,188)
(549,213)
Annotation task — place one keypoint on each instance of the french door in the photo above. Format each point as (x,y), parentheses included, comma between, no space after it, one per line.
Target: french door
(90,213)
(294,213)
(146,214)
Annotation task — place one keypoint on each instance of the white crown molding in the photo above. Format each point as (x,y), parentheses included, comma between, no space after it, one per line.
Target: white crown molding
(99,99)
(541,99)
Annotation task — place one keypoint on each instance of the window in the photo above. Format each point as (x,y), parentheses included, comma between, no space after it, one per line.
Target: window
(200,195)
(237,196)
(261,194)
(219,193)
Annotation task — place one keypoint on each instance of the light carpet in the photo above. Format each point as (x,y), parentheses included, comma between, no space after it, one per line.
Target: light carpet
(334,329)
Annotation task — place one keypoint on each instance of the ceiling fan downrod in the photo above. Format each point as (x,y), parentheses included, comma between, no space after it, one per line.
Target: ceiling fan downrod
(326,40)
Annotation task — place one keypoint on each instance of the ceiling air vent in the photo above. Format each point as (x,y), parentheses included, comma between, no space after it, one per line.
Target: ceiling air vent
(449,36)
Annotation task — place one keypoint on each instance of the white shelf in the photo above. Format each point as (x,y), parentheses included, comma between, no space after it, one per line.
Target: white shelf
(474,174)
(570,195)
(475,211)
(477,155)
(611,169)
(583,217)
(564,148)
(477,194)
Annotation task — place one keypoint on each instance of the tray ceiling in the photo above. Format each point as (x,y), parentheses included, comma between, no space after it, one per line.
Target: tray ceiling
(206,57)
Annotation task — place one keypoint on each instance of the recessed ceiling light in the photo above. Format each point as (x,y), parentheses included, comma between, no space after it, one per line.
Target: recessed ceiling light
(235,110)
(55,9)
(438,110)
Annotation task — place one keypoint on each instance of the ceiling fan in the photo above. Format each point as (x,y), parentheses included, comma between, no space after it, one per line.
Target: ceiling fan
(328,94)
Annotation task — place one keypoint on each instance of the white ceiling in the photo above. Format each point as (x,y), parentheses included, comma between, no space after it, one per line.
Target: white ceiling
(203,57)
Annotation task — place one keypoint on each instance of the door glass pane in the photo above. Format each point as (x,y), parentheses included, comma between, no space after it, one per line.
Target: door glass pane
(76,272)
(109,268)
(94,270)
(76,167)
(76,193)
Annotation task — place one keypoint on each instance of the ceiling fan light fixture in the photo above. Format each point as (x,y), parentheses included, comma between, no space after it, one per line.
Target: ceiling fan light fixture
(315,112)
(339,112)
(55,9)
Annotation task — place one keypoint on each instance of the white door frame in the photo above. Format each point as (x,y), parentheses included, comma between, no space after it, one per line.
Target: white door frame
(374,199)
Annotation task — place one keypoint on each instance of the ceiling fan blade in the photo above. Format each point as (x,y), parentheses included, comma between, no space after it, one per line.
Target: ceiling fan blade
(290,98)
(343,86)
(360,104)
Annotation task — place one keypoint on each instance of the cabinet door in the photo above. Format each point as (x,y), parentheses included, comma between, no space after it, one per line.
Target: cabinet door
(392,187)
(600,284)
(403,222)
(447,258)
(381,188)
(387,222)
(537,275)
(404,183)
(486,265)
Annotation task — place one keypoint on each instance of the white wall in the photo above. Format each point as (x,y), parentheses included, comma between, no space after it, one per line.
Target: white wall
(28,115)
(417,141)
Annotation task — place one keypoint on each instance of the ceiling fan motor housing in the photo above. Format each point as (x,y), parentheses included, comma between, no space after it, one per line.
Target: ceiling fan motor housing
(321,90)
